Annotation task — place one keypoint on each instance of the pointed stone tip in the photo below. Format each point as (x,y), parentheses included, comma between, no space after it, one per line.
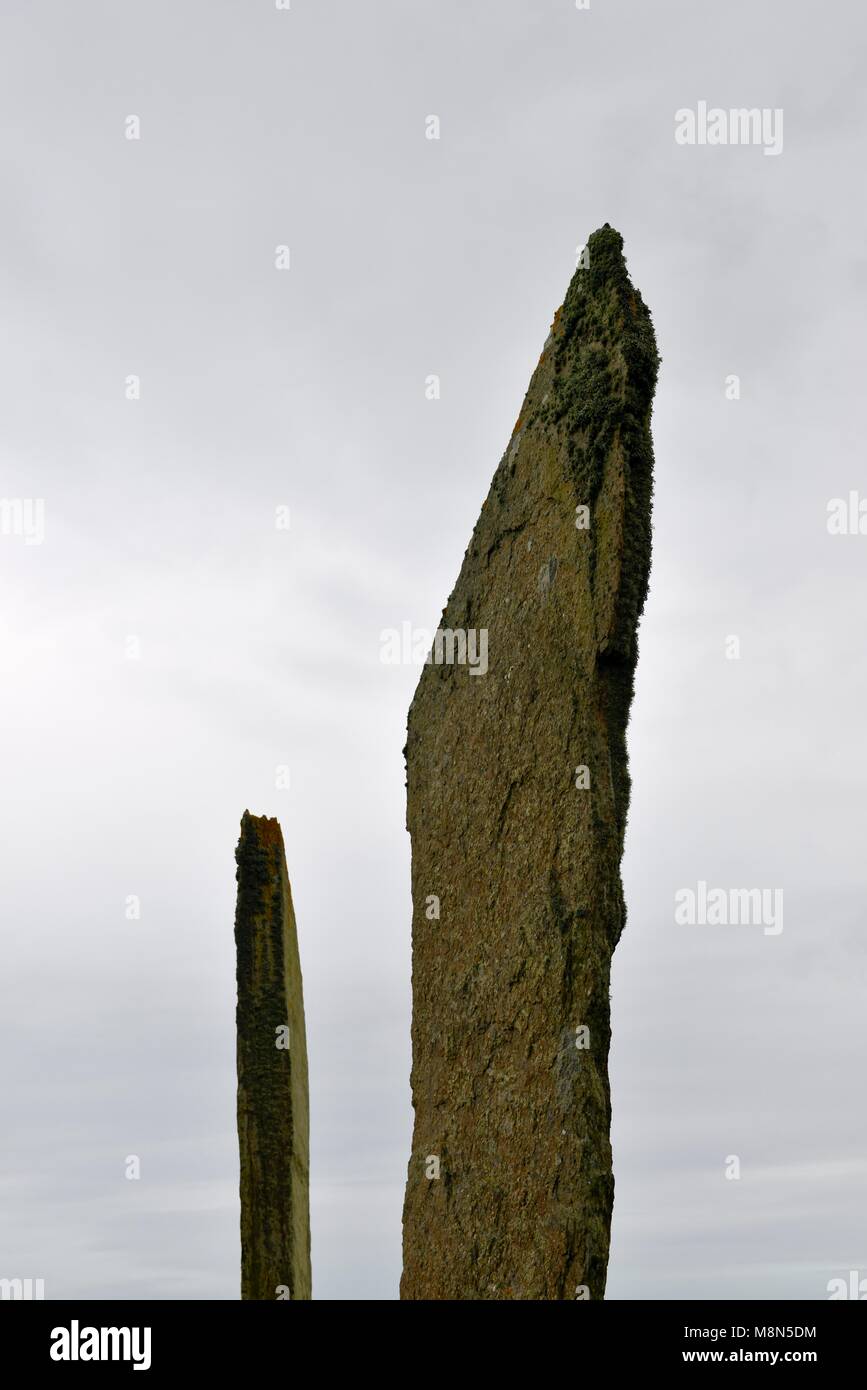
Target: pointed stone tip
(600,264)
(605,251)
(601,269)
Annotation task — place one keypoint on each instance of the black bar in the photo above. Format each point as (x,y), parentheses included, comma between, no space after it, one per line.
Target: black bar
(267,1339)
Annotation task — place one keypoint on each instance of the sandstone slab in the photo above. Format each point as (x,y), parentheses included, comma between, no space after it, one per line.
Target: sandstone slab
(517,796)
(273,1104)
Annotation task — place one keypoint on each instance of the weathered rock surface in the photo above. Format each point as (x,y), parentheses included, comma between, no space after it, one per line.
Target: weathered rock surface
(517,793)
(273,1105)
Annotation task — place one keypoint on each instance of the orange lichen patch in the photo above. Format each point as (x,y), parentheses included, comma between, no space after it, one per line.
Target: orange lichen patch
(552,333)
(266,829)
(518,423)
(270,834)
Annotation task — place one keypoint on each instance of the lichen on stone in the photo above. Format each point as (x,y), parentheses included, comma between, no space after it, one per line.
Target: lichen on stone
(524,859)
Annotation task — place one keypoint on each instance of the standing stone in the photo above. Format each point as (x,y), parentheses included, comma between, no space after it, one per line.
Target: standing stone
(517,793)
(273,1106)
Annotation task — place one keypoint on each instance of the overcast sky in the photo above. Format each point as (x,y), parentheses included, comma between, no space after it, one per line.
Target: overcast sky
(259,649)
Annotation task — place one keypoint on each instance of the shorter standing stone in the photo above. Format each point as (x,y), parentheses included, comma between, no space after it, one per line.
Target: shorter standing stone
(273,1104)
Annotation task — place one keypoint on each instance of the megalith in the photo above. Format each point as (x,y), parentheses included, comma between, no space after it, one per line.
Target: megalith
(273,1105)
(517,795)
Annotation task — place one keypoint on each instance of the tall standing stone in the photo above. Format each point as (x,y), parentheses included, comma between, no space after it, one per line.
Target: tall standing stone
(273,1105)
(517,793)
